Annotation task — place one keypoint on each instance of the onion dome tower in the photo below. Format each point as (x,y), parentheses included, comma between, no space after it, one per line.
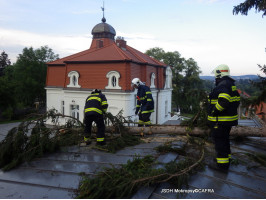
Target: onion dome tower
(103,30)
(103,34)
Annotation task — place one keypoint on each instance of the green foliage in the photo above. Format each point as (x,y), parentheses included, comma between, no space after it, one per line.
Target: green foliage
(4,62)
(243,8)
(167,147)
(24,82)
(258,157)
(187,86)
(261,85)
(116,182)
(124,181)
(33,139)
(121,142)
(30,74)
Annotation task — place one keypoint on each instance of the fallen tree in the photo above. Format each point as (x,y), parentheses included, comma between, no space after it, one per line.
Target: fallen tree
(184,130)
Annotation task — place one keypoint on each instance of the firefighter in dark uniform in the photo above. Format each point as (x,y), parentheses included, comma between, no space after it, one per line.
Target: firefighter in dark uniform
(145,103)
(95,106)
(222,114)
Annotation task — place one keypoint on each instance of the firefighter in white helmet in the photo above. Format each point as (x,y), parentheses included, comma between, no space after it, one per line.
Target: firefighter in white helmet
(222,115)
(145,103)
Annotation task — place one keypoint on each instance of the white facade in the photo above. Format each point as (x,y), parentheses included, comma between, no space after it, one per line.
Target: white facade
(71,100)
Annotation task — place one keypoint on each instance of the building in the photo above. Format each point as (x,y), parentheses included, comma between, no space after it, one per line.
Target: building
(110,65)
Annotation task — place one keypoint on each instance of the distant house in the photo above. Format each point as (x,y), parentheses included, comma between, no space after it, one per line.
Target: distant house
(260,110)
(110,65)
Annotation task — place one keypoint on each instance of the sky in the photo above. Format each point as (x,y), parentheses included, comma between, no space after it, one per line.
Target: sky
(205,30)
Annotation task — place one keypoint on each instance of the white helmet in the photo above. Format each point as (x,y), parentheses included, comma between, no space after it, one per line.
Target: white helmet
(136,82)
(221,71)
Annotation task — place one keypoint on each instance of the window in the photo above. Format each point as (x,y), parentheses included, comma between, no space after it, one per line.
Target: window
(74,111)
(168,79)
(152,80)
(113,80)
(73,79)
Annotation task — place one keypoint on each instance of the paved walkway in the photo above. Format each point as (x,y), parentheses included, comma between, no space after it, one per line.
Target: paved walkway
(56,176)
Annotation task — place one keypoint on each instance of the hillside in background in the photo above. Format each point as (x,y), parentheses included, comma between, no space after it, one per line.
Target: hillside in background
(243,77)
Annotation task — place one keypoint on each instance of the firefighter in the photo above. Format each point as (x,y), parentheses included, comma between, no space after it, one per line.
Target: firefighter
(95,106)
(145,103)
(222,115)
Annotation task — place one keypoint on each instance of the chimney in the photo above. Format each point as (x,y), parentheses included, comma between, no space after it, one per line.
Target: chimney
(120,42)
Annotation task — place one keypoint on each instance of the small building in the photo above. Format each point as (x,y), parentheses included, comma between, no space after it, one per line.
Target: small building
(109,65)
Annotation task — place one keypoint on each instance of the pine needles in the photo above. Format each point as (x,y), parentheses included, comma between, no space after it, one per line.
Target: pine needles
(32,138)
(126,180)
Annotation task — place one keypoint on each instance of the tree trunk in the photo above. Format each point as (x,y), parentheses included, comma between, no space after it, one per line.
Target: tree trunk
(183,130)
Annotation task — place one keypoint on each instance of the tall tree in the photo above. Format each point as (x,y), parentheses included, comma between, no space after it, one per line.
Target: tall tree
(30,74)
(243,8)
(4,61)
(186,81)
(193,86)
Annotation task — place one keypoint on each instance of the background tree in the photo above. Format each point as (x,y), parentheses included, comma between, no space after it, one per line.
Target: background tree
(186,81)
(30,74)
(24,81)
(261,85)
(243,8)
(4,61)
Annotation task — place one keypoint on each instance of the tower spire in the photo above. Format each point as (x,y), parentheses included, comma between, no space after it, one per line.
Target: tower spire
(103,19)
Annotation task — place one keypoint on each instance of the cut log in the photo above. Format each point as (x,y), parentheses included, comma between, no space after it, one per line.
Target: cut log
(183,130)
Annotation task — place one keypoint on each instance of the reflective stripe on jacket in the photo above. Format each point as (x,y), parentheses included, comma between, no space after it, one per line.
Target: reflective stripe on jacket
(96,104)
(223,103)
(145,101)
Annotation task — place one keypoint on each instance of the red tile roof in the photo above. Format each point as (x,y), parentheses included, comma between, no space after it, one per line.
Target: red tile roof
(109,53)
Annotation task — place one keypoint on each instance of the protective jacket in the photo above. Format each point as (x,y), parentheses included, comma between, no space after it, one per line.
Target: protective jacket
(96,104)
(145,103)
(223,103)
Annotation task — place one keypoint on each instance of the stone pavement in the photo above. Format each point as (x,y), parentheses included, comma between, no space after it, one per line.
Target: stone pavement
(56,176)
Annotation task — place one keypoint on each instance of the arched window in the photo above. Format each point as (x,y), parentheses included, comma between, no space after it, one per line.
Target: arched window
(113,80)
(73,79)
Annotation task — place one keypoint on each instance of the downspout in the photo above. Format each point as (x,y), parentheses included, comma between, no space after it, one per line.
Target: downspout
(158,90)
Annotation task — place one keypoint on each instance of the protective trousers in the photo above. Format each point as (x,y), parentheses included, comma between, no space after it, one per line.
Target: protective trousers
(220,136)
(98,119)
(144,119)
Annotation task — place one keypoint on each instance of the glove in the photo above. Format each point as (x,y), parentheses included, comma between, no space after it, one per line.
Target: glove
(136,113)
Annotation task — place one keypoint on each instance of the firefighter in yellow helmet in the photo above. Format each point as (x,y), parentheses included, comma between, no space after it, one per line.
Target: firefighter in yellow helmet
(145,103)
(222,114)
(95,106)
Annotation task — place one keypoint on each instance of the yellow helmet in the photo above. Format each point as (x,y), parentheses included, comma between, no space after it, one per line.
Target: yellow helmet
(221,71)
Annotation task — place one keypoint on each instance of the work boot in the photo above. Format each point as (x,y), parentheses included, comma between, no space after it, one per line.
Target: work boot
(102,143)
(219,167)
(87,141)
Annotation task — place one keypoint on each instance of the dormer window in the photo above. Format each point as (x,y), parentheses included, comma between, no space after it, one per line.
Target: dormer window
(113,80)
(73,79)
